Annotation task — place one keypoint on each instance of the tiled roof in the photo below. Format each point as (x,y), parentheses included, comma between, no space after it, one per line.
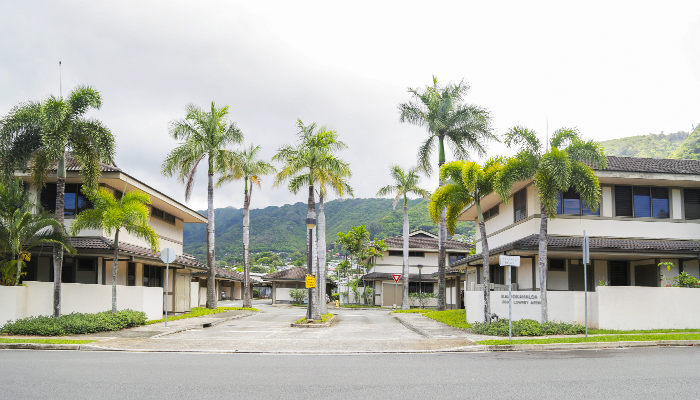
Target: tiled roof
(72,165)
(425,243)
(653,165)
(103,243)
(613,244)
(223,273)
(383,276)
(295,273)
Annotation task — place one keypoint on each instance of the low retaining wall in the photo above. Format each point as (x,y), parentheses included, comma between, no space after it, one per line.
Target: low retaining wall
(36,298)
(609,307)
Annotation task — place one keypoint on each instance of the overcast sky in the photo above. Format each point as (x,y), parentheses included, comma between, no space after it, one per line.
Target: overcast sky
(611,68)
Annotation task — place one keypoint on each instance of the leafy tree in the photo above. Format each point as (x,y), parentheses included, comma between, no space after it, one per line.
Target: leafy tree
(21,229)
(405,183)
(467,183)
(40,134)
(463,127)
(111,215)
(247,166)
(364,254)
(203,135)
(565,165)
(302,164)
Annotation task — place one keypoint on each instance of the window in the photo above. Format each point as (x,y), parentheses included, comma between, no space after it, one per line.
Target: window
(396,253)
(557,265)
(570,203)
(74,200)
(162,215)
(427,287)
(499,275)
(454,257)
(152,276)
(491,212)
(131,274)
(399,253)
(691,201)
(641,202)
(520,204)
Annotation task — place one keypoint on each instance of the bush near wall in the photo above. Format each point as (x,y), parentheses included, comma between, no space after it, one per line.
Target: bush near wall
(75,323)
(527,327)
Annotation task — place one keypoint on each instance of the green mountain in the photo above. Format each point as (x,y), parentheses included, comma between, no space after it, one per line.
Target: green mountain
(674,145)
(282,229)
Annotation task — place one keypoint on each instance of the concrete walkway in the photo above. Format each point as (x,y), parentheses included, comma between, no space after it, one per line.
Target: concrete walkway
(432,329)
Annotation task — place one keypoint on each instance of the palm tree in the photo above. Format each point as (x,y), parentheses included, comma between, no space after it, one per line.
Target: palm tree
(566,165)
(463,127)
(130,213)
(21,228)
(467,183)
(405,183)
(204,135)
(246,165)
(40,134)
(335,180)
(302,163)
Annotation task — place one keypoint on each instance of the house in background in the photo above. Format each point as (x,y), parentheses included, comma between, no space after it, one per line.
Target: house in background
(87,276)
(290,278)
(423,251)
(649,213)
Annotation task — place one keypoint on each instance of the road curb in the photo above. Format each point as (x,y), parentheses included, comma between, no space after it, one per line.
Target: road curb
(323,325)
(200,326)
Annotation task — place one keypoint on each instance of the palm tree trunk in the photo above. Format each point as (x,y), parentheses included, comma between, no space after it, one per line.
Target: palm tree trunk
(487,271)
(246,244)
(321,255)
(115,267)
(404,289)
(543,263)
(442,237)
(312,312)
(211,282)
(58,248)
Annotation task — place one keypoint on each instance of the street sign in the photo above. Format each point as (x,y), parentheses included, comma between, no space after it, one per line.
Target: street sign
(168,255)
(310,281)
(396,277)
(513,261)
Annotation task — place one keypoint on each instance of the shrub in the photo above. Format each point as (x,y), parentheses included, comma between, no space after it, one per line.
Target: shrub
(335,297)
(299,295)
(75,324)
(527,327)
(256,293)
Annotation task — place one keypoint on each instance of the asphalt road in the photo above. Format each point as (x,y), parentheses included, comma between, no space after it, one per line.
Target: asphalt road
(671,372)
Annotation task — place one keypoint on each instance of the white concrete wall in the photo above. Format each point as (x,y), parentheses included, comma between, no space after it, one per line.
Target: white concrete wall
(626,308)
(194,294)
(13,303)
(75,297)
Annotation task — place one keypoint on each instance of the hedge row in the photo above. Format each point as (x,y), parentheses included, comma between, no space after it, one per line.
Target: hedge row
(75,324)
(527,327)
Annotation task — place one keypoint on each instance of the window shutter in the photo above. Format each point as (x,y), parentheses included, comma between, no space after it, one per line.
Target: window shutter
(520,204)
(691,198)
(623,201)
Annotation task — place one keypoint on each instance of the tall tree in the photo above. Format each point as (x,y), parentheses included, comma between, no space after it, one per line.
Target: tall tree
(301,165)
(565,165)
(364,253)
(22,228)
(462,127)
(405,183)
(247,166)
(40,134)
(111,216)
(467,183)
(204,134)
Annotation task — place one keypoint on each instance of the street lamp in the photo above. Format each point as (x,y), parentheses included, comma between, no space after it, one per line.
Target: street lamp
(420,285)
(310,223)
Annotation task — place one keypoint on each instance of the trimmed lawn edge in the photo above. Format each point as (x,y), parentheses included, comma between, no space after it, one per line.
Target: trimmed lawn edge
(45,341)
(595,339)
(201,312)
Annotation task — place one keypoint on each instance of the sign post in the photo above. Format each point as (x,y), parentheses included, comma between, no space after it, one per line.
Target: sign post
(396,279)
(510,261)
(167,255)
(586,261)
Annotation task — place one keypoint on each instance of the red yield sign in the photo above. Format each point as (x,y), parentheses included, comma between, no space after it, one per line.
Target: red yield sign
(396,277)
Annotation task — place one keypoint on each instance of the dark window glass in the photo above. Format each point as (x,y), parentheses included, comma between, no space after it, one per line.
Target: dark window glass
(397,253)
(497,274)
(416,254)
(131,274)
(426,286)
(557,265)
(642,202)
(491,212)
(659,202)
(48,197)
(571,202)
(691,200)
(454,257)
(520,204)
(618,273)
(623,201)
(152,276)
(587,211)
(69,207)
(559,203)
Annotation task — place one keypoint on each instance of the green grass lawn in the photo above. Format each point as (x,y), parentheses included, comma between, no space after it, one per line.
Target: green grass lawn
(47,341)
(324,318)
(358,306)
(199,312)
(604,338)
(412,311)
(615,332)
(455,318)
